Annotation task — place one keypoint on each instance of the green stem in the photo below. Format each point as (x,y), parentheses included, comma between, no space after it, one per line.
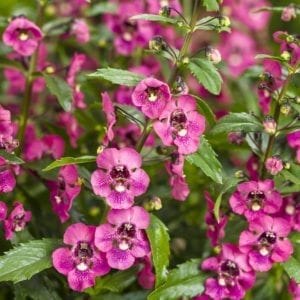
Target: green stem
(144,136)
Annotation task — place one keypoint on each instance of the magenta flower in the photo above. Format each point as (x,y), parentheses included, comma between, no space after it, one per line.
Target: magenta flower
(16,221)
(123,239)
(82,262)
(64,191)
(3,211)
(181,125)
(255,198)
(290,211)
(75,66)
(294,289)
(293,140)
(22,35)
(265,242)
(274,165)
(81,31)
(234,277)
(7,178)
(119,178)
(152,96)
(146,277)
(111,118)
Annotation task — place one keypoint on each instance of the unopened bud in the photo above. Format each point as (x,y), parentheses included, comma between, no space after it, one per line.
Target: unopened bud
(162,150)
(274,165)
(154,203)
(288,13)
(157,43)
(287,165)
(285,55)
(100,149)
(185,60)
(297,99)
(285,109)
(239,174)
(165,11)
(225,21)
(290,39)
(270,125)
(179,87)
(213,55)
(180,24)
(50,70)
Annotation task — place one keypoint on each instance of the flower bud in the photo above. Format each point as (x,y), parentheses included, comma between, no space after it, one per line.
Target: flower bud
(179,87)
(288,13)
(285,55)
(274,165)
(239,174)
(290,39)
(213,55)
(50,70)
(185,60)
(157,43)
(154,203)
(165,11)
(287,165)
(270,125)
(285,109)
(225,21)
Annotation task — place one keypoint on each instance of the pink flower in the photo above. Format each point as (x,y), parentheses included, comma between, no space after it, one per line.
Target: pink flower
(111,117)
(293,140)
(64,191)
(123,239)
(16,221)
(152,96)
(181,125)
(266,243)
(294,289)
(155,5)
(146,277)
(119,178)
(81,30)
(255,198)
(274,165)
(7,179)
(234,274)
(75,66)
(3,211)
(82,262)
(288,13)
(22,35)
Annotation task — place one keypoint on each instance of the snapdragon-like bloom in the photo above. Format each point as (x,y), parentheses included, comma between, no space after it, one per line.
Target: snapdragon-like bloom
(234,277)
(146,277)
(294,289)
(274,165)
(123,239)
(22,35)
(181,125)
(81,31)
(82,262)
(255,198)
(293,140)
(64,191)
(152,96)
(3,211)
(7,178)
(16,221)
(119,178)
(266,242)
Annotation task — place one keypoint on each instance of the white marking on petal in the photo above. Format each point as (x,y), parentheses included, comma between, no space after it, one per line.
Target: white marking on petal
(82,267)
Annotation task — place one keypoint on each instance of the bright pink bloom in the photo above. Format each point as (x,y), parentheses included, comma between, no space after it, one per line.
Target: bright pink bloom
(16,221)
(293,139)
(294,289)
(255,198)
(81,31)
(152,96)
(3,210)
(274,165)
(146,277)
(123,239)
(7,178)
(266,242)
(64,191)
(234,274)
(181,125)
(75,66)
(119,178)
(83,262)
(111,118)
(22,35)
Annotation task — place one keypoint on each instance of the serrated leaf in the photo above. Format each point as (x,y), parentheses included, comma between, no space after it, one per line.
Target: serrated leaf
(184,281)
(206,111)
(115,283)
(292,267)
(101,8)
(13,159)
(206,159)
(9,63)
(22,262)
(237,122)
(70,160)
(211,5)
(59,88)
(155,18)
(118,76)
(206,74)
(159,238)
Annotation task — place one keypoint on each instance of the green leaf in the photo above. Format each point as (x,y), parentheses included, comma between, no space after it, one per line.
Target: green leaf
(159,238)
(206,159)
(9,63)
(290,176)
(184,281)
(211,23)
(70,160)
(59,88)
(22,262)
(211,5)
(132,114)
(292,267)
(155,18)
(237,122)
(101,8)
(206,111)
(271,57)
(137,295)
(115,283)
(57,26)
(13,159)
(118,76)
(206,74)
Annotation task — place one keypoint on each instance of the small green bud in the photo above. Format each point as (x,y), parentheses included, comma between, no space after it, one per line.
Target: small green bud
(239,174)
(286,165)
(285,55)
(165,11)
(285,109)
(225,21)
(290,39)
(185,60)
(157,43)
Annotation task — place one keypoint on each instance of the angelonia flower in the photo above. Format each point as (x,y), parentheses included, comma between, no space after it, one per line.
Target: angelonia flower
(294,289)
(293,140)
(213,55)
(234,274)
(146,277)
(181,125)
(152,95)
(266,242)
(288,13)
(7,178)
(119,178)
(22,35)
(3,211)
(255,198)
(123,238)
(16,221)
(81,31)
(270,126)
(64,191)
(274,165)
(81,262)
